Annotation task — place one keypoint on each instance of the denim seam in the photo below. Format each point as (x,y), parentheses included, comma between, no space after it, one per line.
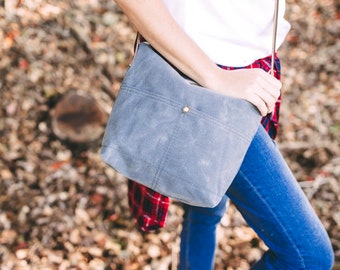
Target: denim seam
(275,217)
(137,90)
(165,155)
(172,141)
(179,106)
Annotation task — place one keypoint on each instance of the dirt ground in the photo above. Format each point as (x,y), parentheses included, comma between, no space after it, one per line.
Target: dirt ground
(61,207)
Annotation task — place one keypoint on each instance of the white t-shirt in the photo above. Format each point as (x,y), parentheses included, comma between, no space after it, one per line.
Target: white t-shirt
(231,32)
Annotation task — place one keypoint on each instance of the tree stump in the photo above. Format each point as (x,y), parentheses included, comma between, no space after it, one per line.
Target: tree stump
(77,117)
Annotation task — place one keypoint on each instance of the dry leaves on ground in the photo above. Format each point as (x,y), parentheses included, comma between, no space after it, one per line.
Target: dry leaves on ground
(62,208)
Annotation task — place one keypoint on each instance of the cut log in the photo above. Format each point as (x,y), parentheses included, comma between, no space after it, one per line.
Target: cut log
(77,117)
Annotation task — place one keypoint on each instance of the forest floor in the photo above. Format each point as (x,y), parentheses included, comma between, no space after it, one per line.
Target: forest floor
(61,207)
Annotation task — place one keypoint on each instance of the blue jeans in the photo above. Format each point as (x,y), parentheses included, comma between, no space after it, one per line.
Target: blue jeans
(272,203)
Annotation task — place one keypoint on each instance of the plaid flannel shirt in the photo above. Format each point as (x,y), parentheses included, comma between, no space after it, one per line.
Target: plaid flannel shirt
(150,208)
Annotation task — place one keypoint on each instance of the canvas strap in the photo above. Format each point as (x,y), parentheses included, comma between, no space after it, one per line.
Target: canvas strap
(275,22)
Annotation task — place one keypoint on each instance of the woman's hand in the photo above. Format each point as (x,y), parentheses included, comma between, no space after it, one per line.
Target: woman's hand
(254,85)
(152,19)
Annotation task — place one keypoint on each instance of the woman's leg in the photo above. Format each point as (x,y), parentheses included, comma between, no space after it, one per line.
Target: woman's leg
(198,237)
(271,201)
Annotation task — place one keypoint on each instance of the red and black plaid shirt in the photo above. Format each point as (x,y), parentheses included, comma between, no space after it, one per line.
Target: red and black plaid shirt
(150,208)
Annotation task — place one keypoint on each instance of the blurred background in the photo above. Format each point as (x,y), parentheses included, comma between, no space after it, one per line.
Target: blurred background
(61,207)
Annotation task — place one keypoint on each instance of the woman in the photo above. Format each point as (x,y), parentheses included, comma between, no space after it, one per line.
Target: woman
(206,40)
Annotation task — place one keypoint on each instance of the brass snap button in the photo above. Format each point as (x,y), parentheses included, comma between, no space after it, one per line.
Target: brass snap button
(186,109)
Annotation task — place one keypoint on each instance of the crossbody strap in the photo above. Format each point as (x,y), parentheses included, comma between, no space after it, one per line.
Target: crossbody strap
(275,22)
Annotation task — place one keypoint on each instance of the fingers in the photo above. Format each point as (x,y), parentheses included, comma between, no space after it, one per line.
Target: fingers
(264,102)
(267,92)
(270,84)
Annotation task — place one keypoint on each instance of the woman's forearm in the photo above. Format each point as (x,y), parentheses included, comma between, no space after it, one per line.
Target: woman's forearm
(152,19)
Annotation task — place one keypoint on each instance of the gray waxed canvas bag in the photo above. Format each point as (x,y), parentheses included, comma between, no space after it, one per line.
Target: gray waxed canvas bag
(177,138)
